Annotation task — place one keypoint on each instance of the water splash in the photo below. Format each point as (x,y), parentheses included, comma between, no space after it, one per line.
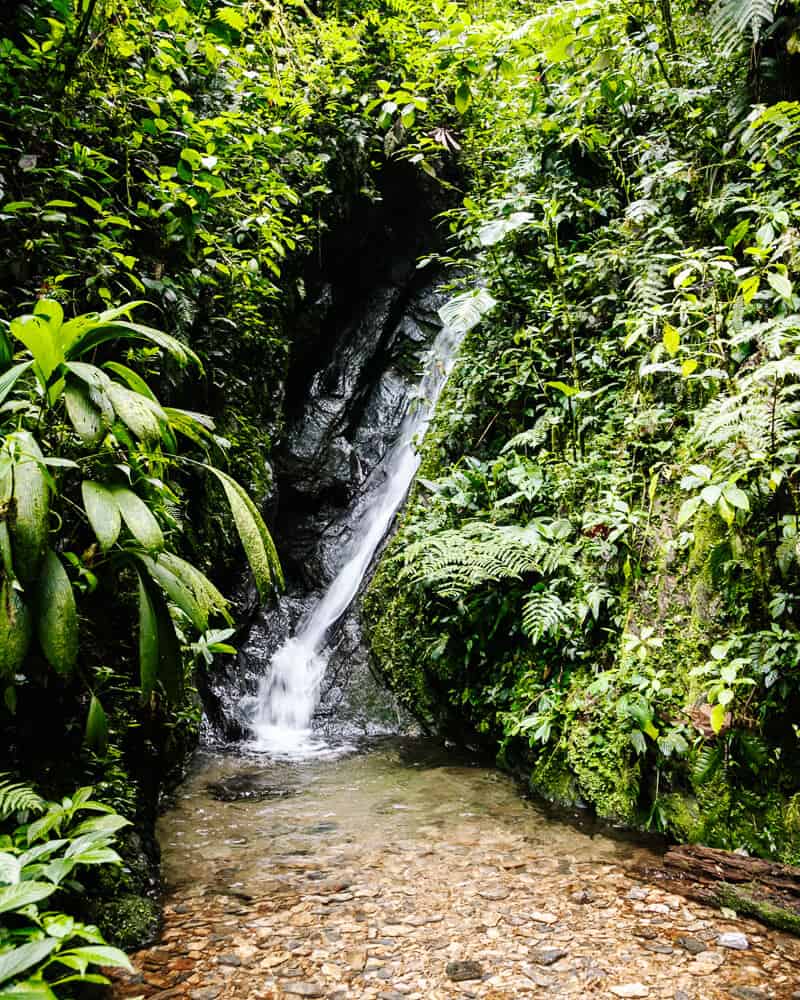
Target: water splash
(281,718)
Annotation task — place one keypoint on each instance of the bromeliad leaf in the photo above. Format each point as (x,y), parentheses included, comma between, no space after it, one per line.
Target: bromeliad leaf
(57,622)
(103,512)
(256,539)
(138,518)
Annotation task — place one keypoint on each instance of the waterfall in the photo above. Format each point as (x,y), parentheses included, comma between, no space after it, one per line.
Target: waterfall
(288,694)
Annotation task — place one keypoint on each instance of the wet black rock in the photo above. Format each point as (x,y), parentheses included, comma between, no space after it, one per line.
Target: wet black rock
(247,787)
(463,971)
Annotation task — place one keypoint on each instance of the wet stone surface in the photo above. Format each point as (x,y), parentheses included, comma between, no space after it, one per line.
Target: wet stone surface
(392,877)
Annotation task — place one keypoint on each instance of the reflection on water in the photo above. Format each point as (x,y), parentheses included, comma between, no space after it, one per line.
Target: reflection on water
(254,815)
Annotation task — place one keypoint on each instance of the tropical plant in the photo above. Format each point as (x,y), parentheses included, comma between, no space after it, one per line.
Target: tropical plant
(89,443)
(43,949)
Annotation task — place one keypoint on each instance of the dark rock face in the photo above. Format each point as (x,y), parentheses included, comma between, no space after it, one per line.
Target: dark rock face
(327,469)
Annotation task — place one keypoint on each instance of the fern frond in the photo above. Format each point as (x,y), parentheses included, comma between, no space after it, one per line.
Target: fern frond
(16,797)
(777,126)
(544,613)
(732,20)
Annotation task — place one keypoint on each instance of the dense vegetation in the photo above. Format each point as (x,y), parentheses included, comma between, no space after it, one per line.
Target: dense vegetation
(598,569)
(599,566)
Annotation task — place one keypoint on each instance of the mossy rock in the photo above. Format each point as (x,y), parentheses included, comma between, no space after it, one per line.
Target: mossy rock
(129,922)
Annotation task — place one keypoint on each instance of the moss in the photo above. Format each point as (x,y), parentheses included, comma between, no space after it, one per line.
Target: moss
(600,755)
(552,779)
(129,922)
(743,900)
(680,816)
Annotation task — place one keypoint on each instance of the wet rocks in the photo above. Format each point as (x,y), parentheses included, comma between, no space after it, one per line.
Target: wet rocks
(733,939)
(463,971)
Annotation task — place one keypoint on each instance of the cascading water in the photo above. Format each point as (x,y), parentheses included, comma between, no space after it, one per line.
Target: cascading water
(280,716)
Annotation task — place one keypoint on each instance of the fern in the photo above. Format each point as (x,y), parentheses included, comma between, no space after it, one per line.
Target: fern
(544,613)
(16,797)
(731,20)
(707,764)
(772,128)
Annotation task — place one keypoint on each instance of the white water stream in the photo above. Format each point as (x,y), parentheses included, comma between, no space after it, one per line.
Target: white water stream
(288,694)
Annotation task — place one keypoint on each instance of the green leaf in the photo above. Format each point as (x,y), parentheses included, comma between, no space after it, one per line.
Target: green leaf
(38,336)
(101,955)
(96,734)
(144,417)
(30,527)
(564,389)
(688,509)
(780,283)
(736,497)
(88,332)
(9,379)
(14,897)
(465,311)
(717,717)
(672,339)
(138,517)
(463,97)
(496,230)
(103,512)
(148,641)
(256,539)
(16,961)
(57,624)
(31,989)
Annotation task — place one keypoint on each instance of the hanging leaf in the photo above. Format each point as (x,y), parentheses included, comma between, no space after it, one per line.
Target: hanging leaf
(84,416)
(96,727)
(57,623)
(148,641)
(140,414)
(672,339)
(496,230)
(16,628)
(13,897)
(463,97)
(138,517)
(256,539)
(9,379)
(29,529)
(16,961)
(103,512)
(465,311)
(178,590)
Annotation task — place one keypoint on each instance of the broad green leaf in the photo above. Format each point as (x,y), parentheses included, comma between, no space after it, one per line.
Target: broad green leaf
(16,961)
(564,389)
(135,381)
(144,417)
(727,513)
(465,311)
(16,627)
(51,312)
(688,367)
(780,283)
(105,327)
(9,379)
(463,97)
(14,897)
(96,733)
(138,517)
(57,619)
(496,230)
(84,416)
(38,336)
(30,527)
(717,717)
(109,823)
(672,339)
(749,287)
(688,509)
(711,494)
(101,955)
(256,539)
(103,512)
(31,989)
(178,590)
(148,641)
(736,497)
(9,868)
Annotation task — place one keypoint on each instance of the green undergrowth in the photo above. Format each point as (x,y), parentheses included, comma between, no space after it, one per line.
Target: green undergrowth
(597,572)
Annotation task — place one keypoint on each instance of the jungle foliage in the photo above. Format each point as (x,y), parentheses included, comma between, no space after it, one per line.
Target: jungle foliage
(598,570)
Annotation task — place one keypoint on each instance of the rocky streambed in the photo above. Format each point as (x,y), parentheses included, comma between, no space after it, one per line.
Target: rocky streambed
(402,873)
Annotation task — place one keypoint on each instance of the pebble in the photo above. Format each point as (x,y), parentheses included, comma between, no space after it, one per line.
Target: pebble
(631,990)
(304,989)
(547,956)
(734,939)
(462,971)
